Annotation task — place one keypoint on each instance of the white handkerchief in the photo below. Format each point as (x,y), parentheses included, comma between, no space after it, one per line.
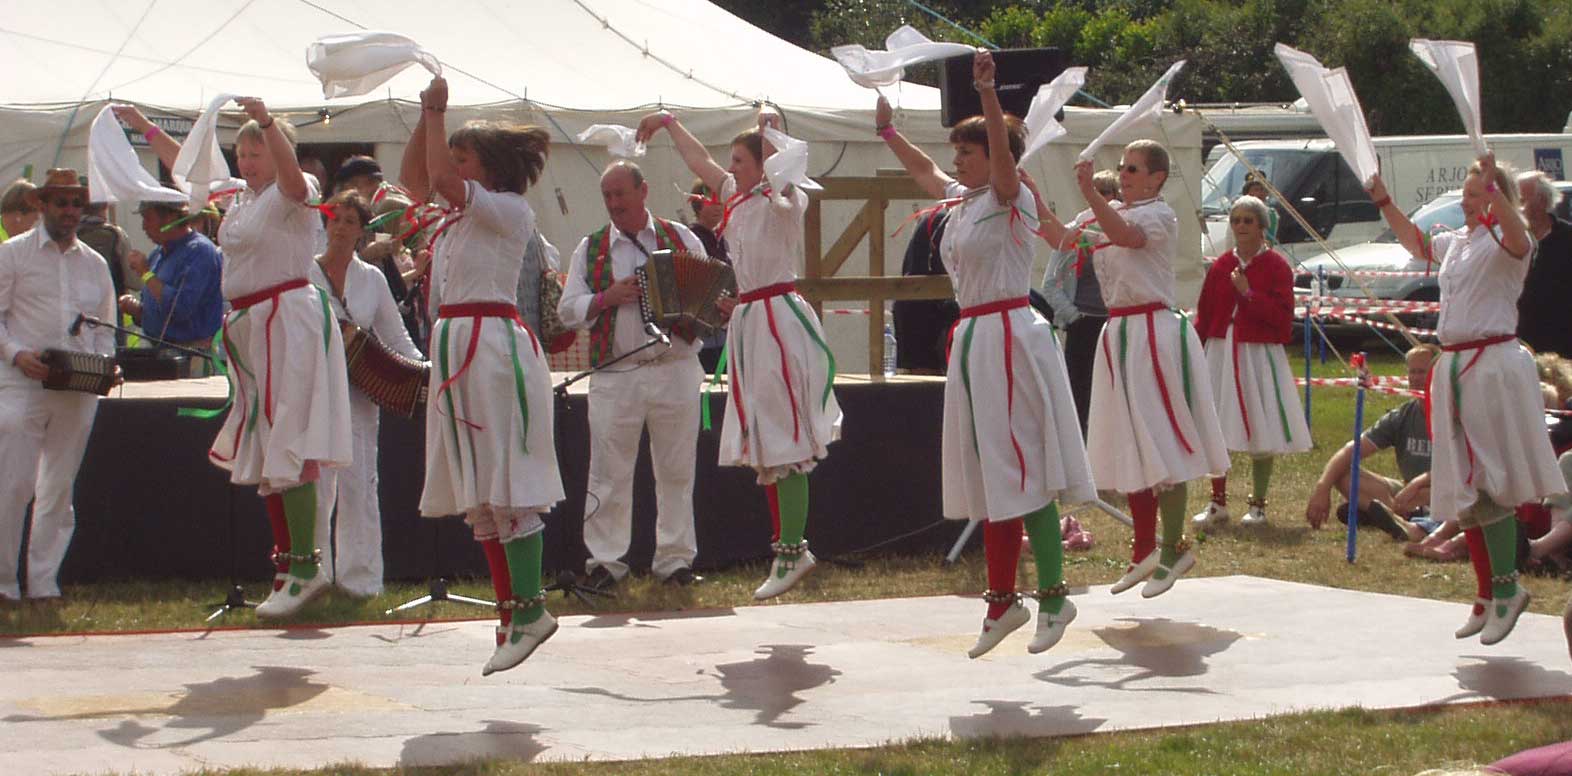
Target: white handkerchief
(354,63)
(1457,65)
(789,163)
(1332,101)
(200,168)
(618,140)
(1041,126)
(906,46)
(1148,107)
(113,172)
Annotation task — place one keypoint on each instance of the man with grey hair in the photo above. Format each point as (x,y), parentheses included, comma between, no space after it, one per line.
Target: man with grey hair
(657,387)
(1544,311)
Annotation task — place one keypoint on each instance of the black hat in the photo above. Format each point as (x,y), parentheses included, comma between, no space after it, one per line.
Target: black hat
(358,166)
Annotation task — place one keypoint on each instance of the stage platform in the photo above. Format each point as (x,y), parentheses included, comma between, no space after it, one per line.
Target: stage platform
(750,679)
(149,504)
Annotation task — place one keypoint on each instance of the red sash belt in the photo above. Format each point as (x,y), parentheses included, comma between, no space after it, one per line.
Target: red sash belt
(765,292)
(1003,307)
(1478,346)
(270,293)
(477,311)
(1157,366)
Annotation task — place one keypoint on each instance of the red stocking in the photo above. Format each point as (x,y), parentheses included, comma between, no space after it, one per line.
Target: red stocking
(1002,546)
(775,512)
(1143,510)
(501,580)
(1220,491)
(1479,555)
(1535,518)
(275,519)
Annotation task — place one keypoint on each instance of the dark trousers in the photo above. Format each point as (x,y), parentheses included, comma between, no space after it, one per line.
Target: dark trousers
(1080,356)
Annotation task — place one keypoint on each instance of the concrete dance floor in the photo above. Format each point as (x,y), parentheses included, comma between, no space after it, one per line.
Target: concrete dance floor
(751,679)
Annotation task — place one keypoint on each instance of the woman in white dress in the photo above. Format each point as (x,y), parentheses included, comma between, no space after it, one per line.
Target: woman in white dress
(1490,450)
(290,417)
(1244,318)
(352,545)
(489,447)
(782,414)
(1012,439)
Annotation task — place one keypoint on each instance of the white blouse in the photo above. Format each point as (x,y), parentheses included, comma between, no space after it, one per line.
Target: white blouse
(1480,284)
(765,235)
(268,239)
(987,248)
(479,257)
(368,303)
(1137,276)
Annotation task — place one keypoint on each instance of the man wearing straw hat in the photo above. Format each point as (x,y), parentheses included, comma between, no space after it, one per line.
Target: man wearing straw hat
(47,279)
(180,299)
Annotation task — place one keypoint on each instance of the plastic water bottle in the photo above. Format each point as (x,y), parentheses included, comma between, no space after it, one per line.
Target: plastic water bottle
(889,350)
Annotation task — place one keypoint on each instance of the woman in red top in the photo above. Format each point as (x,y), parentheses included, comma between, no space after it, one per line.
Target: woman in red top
(1244,318)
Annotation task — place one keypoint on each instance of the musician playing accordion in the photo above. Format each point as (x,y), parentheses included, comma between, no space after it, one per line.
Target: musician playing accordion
(47,279)
(657,387)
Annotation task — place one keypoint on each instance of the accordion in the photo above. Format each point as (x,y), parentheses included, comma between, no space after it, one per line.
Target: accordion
(70,370)
(392,380)
(677,287)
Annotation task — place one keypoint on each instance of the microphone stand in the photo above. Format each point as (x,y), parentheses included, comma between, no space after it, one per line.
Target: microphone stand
(82,319)
(567,581)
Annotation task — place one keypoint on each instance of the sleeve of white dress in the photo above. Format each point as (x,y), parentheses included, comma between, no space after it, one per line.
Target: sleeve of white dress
(9,347)
(1158,223)
(389,327)
(576,295)
(501,212)
(690,240)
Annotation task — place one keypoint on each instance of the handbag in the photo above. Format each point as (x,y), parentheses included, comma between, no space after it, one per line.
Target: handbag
(554,334)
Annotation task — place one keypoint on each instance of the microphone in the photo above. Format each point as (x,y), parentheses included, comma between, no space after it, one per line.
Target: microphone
(656,333)
(76,325)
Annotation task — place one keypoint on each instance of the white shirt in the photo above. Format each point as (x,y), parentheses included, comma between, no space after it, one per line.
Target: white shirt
(43,290)
(625,258)
(479,257)
(268,239)
(986,262)
(1137,276)
(765,235)
(368,303)
(1480,284)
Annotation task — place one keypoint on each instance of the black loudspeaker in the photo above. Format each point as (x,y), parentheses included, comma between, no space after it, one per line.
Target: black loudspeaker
(1019,74)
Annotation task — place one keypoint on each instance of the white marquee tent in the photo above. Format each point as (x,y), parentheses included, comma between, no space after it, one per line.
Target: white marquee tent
(564,64)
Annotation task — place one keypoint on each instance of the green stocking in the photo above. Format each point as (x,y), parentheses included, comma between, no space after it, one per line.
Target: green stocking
(300,512)
(1261,476)
(524,569)
(1170,504)
(1042,528)
(792,491)
(1501,540)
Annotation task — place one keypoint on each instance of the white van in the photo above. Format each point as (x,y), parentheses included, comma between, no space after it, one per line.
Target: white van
(1312,175)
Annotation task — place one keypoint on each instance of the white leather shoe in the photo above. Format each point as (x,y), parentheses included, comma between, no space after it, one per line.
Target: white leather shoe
(1135,572)
(785,573)
(994,631)
(295,593)
(1256,515)
(519,642)
(1215,514)
(1502,616)
(1051,627)
(1476,619)
(1164,577)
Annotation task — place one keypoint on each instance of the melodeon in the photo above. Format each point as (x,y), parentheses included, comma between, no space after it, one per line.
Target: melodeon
(392,380)
(677,287)
(70,370)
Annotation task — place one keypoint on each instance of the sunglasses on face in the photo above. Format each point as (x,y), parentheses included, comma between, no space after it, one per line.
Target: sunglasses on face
(1130,168)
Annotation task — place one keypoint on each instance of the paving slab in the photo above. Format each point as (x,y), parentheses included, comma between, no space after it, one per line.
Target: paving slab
(750,679)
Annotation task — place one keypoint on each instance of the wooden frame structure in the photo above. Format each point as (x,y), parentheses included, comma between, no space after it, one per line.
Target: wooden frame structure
(820,282)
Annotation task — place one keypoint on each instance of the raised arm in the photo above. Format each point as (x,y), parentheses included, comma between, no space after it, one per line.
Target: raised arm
(442,172)
(162,144)
(412,172)
(1407,234)
(1001,163)
(1115,228)
(693,153)
(290,180)
(918,164)
(1514,232)
(1061,237)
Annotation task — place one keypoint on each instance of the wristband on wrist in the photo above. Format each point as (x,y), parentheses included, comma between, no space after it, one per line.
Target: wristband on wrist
(887,131)
(151,133)
(1383,202)
(435,110)
(148,276)
(981,85)
(666,120)
(268,125)
(1490,188)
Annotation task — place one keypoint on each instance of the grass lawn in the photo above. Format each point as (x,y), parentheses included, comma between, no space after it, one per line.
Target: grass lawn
(1285,549)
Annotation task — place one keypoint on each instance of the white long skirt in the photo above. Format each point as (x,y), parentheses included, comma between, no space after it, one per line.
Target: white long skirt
(1012,439)
(290,391)
(489,443)
(1131,438)
(1493,440)
(782,414)
(1257,402)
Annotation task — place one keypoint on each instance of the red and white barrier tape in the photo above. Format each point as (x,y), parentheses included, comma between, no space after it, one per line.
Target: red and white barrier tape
(1370,273)
(1356,319)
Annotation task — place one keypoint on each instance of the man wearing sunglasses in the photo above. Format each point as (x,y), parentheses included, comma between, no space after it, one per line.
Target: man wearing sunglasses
(47,279)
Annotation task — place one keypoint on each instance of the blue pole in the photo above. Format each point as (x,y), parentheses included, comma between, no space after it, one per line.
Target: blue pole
(1353,472)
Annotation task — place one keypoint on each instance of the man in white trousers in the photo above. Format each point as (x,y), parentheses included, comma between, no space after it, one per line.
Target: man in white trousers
(47,279)
(657,387)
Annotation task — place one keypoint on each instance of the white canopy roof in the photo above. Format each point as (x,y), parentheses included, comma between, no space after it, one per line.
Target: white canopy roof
(579,54)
